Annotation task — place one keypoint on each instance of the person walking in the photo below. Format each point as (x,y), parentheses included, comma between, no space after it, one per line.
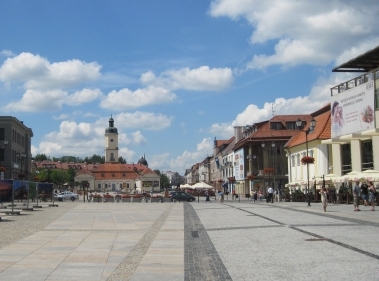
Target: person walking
(255,196)
(356,195)
(372,195)
(207,199)
(324,198)
(260,195)
(270,195)
(364,189)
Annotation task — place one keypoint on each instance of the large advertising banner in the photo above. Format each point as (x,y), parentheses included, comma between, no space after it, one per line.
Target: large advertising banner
(20,189)
(352,111)
(239,169)
(45,190)
(6,190)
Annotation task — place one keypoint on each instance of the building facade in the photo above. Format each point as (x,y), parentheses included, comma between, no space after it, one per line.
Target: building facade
(15,148)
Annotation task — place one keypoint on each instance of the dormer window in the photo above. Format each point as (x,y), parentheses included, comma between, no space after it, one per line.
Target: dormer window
(113,175)
(276,125)
(291,126)
(102,175)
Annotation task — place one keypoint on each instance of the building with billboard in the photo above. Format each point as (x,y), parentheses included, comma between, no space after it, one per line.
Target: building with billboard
(354,119)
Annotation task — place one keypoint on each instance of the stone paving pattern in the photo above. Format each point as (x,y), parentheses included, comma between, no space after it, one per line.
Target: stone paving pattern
(190,241)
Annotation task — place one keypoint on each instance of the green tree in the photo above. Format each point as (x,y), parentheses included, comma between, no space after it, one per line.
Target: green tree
(59,177)
(165,183)
(121,160)
(72,173)
(40,157)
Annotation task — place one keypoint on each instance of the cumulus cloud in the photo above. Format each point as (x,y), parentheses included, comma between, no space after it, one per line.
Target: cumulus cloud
(7,53)
(318,97)
(51,100)
(138,138)
(127,99)
(313,32)
(83,96)
(198,79)
(37,72)
(139,119)
(185,160)
(37,101)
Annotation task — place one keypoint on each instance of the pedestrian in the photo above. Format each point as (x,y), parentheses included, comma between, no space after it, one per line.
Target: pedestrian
(234,195)
(255,196)
(324,198)
(356,195)
(364,190)
(270,195)
(372,195)
(207,199)
(260,195)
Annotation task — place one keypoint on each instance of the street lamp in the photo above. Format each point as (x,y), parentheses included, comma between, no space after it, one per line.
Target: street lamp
(299,124)
(268,153)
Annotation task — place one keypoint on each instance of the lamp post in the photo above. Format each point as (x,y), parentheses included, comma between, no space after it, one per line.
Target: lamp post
(268,153)
(299,124)
(196,178)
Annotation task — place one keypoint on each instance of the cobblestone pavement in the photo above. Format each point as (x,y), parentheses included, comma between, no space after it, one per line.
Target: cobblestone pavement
(290,241)
(236,240)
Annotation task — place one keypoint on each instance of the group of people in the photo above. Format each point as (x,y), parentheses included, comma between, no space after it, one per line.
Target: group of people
(366,192)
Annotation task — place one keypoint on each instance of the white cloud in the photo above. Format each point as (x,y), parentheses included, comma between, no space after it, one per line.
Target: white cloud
(138,138)
(36,101)
(38,73)
(313,32)
(198,79)
(318,97)
(52,100)
(7,53)
(83,96)
(185,160)
(127,99)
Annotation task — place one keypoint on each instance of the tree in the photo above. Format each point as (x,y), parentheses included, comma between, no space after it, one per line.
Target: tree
(40,157)
(121,160)
(165,183)
(59,177)
(71,173)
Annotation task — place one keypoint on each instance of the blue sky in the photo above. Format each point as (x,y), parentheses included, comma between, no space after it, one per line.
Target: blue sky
(173,74)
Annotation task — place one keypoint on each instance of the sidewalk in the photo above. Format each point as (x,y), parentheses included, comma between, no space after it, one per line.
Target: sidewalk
(234,240)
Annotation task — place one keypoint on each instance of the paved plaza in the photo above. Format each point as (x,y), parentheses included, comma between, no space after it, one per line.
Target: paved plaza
(236,240)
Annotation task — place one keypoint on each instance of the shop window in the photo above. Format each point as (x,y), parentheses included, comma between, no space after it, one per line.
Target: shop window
(346,158)
(367,155)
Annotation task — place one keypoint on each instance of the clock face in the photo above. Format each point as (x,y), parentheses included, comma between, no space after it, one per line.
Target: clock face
(111,140)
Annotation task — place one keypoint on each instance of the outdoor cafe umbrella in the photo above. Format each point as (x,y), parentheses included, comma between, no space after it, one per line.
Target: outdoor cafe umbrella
(201,185)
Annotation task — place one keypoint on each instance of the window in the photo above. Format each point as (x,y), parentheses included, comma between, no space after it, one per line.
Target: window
(311,153)
(298,159)
(293,160)
(346,158)
(367,155)
(276,125)
(2,134)
(291,125)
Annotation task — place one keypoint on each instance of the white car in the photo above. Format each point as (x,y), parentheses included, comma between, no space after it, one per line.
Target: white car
(66,195)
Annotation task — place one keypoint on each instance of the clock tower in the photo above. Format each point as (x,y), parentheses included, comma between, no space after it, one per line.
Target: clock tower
(111,143)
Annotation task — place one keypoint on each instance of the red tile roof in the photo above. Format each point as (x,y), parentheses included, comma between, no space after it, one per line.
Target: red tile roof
(321,130)
(107,171)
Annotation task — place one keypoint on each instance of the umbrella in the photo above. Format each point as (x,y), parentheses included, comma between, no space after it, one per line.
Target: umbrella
(185,186)
(201,185)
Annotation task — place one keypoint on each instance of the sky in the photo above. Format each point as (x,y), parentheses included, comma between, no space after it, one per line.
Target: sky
(174,75)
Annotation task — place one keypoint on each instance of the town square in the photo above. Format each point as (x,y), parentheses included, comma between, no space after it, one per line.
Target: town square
(189,140)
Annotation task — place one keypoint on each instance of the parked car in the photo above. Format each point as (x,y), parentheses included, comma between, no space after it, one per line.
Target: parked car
(66,195)
(181,196)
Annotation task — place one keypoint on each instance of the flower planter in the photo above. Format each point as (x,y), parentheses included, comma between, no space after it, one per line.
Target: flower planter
(126,199)
(108,199)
